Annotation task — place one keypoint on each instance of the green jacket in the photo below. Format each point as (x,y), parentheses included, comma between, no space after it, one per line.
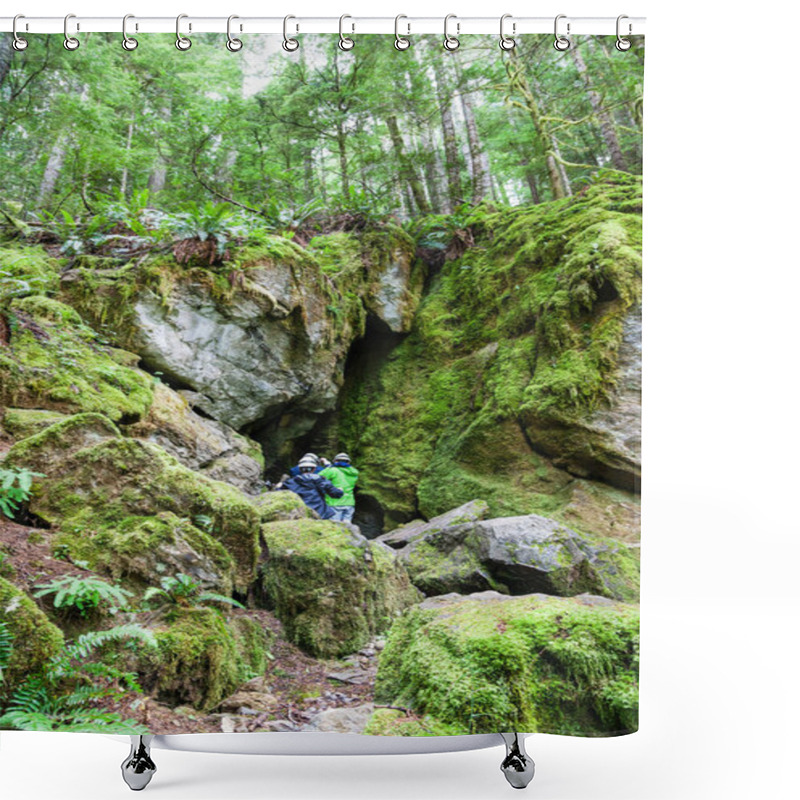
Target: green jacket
(343,478)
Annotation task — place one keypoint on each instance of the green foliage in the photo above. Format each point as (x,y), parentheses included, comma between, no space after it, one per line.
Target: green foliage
(64,695)
(183,590)
(6,646)
(86,595)
(15,488)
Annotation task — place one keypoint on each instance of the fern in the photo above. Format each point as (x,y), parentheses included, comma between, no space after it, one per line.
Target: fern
(185,591)
(84,594)
(6,648)
(61,696)
(15,488)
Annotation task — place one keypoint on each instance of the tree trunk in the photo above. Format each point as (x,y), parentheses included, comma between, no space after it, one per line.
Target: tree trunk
(481,180)
(407,170)
(341,143)
(123,184)
(51,172)
(6,54)
(450,140)
(518,81)
(607,127)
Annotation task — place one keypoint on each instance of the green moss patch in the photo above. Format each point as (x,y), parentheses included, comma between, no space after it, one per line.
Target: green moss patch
(487,662)
(24,422)
(54,361)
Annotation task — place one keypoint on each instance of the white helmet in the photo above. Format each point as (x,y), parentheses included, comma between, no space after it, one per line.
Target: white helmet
(306,461)
(342,457)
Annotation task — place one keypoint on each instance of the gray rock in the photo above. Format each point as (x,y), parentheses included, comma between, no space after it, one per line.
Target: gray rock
(518,555)
(469,512)
(341,720)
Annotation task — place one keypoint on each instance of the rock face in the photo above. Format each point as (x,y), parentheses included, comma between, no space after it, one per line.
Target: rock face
(332,589)
(516,555)
(203,445)
(128,507)
(486,662)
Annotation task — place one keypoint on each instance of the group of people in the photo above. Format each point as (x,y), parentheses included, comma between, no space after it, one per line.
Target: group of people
(324,486)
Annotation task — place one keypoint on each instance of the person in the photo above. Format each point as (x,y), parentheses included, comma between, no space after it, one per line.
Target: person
(295,471)
(312,488)
(342,474)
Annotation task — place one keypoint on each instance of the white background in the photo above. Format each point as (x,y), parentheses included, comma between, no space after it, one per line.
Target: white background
(719,697)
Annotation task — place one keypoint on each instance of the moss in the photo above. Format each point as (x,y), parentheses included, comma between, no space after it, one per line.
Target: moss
(54,361)
(96,481)
(26,270)
(24,422)
(274,506)
(519,333)
(331,590)
(35,638)
(391,722)
(533,663)
(202,658)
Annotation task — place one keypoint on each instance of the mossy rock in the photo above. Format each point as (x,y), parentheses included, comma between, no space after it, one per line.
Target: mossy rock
(518,555)
(202,657)
(23,422)
(331,588)
(514,350)
(392,722)
(54,361)
(276,506)
(487,662)
(99,484)
(35,639)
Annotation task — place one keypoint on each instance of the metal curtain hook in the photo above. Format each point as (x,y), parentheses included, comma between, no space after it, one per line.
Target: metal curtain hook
(289,45)
(19,44)
(233,44)
(561,43)
(623,44)
(345,42)
(181,42)
(451,42)
(70,42)
(400,42)
(507,42)
(128,42)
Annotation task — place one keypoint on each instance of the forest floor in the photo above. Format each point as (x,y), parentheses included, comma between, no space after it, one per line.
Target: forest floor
(294,692)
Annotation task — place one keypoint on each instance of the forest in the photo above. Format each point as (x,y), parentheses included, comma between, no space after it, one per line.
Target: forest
(213,263)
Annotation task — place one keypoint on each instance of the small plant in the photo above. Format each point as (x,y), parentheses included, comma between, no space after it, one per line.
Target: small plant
(183,590)
(84,594)
(6,646)
(204,522)
(64,694)
(15,488)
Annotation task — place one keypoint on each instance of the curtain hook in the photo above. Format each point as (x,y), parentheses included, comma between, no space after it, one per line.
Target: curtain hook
(451,42)
(400,42)
(19,44)
(182,43)
(345,42)
(623,44)
(507,42)
(128,42)
(289,44)
(70,42)
(233,44)
(561,43)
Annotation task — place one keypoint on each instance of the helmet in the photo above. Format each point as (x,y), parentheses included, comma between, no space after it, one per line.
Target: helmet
(307,461)
(313,456)
(342,457)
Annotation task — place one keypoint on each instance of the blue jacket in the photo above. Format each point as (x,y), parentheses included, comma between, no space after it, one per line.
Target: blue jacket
(312,490)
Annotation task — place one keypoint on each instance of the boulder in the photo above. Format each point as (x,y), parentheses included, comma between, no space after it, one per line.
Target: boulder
(332,589)
(488,662)
(469,512)
(202,657)
(254,695)
(203,445)
(34,639)
(516,555)
(113,496)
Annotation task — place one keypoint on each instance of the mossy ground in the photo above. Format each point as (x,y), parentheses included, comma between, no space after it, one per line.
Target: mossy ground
(331,592)
(533,663)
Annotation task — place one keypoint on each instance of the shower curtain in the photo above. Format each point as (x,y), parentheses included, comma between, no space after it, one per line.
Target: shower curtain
(320,378)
